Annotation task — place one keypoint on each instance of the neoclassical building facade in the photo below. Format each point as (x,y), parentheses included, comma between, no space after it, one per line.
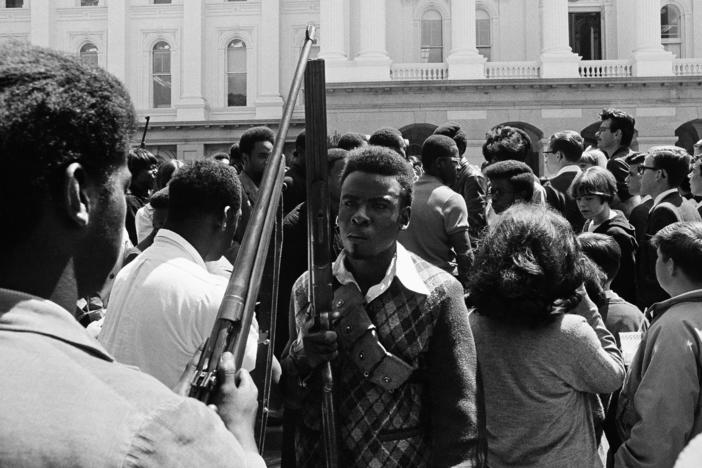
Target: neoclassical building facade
(205,70)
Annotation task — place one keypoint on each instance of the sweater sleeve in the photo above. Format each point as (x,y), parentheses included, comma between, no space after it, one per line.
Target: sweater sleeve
(599,367)
(453,402)
(662,407)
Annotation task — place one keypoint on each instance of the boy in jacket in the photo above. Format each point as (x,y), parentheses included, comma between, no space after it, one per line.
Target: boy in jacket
(659,407)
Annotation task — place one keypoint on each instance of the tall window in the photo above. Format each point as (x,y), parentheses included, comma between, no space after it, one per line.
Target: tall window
(483,38)
(236,73)
(14,3)
(585,34)
(88,2)
(432,43)
(670,29)
(89,54)
(161,74)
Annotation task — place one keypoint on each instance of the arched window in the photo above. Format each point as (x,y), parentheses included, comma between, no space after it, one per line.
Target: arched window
(432,43)
(161,74)
(670,29)
(483,38)
(89,54)
(236,73)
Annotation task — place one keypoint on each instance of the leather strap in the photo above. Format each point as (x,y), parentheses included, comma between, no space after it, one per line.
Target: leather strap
(358,336)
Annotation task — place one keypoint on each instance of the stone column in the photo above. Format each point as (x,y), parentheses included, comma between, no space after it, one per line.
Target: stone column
(372,61)
(191,105)
(464,61)
(650,59)
(117,38)
(40,18)
(332,23)
(269,104)
(557,58)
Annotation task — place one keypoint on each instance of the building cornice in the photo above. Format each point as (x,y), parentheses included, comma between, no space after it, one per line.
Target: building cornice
(496,84)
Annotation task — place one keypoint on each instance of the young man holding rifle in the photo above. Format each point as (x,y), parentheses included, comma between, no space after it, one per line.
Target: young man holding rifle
(401,348)
(64,131)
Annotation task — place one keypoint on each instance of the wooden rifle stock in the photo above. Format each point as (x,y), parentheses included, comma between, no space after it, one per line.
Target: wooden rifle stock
(230,331)
(318,236)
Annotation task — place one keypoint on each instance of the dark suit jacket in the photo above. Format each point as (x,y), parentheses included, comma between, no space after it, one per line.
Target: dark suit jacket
(672,208)
(557,197)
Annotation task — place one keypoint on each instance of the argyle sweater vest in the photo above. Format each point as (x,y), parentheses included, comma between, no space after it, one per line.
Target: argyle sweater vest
(378,428)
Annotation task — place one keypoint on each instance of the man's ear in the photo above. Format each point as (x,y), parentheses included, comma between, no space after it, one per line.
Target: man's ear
(618,134)
(76,196)
(230,218)
(405,217)
(662,174)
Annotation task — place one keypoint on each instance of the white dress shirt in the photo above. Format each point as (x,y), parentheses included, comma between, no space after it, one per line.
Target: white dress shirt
(163,306)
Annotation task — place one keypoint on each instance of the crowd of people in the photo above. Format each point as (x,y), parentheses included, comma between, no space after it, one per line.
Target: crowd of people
(482,316)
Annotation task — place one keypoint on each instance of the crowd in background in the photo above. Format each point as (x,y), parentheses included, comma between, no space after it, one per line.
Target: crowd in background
(482,316)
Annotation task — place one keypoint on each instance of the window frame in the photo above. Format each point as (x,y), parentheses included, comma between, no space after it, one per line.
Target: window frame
(667,42)
(228,74)
(428,48)
(83,54)
(489,46)
(154,74)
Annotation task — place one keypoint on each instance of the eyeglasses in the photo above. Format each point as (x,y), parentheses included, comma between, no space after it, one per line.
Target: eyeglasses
(640,170)
(603,128)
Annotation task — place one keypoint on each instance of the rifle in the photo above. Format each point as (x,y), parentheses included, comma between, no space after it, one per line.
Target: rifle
(230,330)
(318,236)
(143,135)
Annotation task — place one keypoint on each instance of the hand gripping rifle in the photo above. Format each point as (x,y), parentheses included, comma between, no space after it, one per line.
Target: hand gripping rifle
(230,331)
(318,236)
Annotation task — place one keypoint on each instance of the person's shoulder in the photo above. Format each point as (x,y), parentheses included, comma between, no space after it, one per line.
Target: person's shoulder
(574,328)
(438,281)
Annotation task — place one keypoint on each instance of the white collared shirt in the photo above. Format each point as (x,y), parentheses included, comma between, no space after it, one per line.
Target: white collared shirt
(163,306)
(660,197)
(401,266)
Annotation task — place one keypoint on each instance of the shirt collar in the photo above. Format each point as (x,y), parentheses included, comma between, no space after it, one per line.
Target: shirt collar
(657,309)
(166,236)
(21,312)
(569,168)
(661,196)
(401,266)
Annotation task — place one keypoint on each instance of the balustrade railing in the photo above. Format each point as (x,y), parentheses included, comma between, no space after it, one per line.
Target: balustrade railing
(419,71)
(512,70)
(532,69)
(687,67)
(605,68)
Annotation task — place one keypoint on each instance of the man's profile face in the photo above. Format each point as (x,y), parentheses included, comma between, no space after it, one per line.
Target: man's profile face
(101,243)
(371,214)
(255,163)
(502,194)
(606,137)
(633,180)
(648,178)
